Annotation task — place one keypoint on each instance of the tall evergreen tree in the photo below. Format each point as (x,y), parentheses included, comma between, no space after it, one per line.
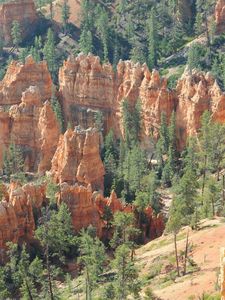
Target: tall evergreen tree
(16,34)
(65,14)
(126,280)
(102,24)
(92,257)
(49,53)
(152,40)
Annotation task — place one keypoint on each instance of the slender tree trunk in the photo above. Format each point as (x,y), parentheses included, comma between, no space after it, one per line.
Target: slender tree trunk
(51,10)
(204,175)
(223,195)
(49,274)
(213,206)
(176,254)
(28,289)
(88,288)
(186,253)
(123,280)
(207,31)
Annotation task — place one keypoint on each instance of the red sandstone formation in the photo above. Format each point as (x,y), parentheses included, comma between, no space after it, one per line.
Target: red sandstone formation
(84,211)
(16,212)
(19,77)
(77,158)
(220,15)
(196,93)
(33,127)
(86,85)
(22,11)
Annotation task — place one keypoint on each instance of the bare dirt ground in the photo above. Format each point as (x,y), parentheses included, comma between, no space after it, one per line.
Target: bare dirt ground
(206,249)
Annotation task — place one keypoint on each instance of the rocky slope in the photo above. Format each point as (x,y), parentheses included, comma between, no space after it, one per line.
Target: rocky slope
(22,11)
(156,260)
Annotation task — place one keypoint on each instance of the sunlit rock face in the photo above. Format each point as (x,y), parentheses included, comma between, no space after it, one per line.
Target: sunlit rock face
(77,158)
(17,221)
(196,93)
(20,77)
(87,86)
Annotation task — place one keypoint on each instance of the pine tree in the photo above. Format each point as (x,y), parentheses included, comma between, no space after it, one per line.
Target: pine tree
(35,50)
(204,8)
(86,42)
(206,146)
(65,14)
(110,162)
(58,111)
(56,237)
(87,26)
(174,225)
(13,162)
(102,23)
(23,54)
(49,53)
(1,43)
(16,34)
(126,280)
(124,230)
(26,275)
(92,257)
(152,40)
(194,57)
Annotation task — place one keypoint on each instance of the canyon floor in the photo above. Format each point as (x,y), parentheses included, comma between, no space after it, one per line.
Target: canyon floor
(206,244)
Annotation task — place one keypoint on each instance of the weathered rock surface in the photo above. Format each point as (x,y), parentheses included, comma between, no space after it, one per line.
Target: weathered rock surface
(222,273)
(33,127)
(16,212)
(77,158)
(197,92)
(22,11)
(220,15)
(20,76)
(80,201)
(87,86)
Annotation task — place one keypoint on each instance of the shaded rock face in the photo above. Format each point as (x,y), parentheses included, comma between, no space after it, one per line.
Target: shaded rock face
(33,127)
(220,15)
(19,77)
(22,11)
(77,158)
(87,86)
(88,208)
(16,212)
(20,207)
(197,93)
(222,273)
(84,211)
